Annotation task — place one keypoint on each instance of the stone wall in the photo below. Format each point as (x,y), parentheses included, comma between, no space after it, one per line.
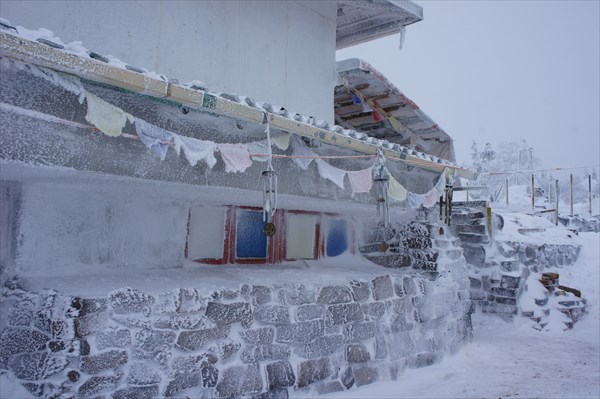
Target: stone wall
(257,341)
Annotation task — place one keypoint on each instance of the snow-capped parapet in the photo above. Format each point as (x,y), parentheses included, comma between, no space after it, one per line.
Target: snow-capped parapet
(256,340)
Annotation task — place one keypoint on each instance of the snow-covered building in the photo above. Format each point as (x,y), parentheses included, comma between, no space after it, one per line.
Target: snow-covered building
(114,178)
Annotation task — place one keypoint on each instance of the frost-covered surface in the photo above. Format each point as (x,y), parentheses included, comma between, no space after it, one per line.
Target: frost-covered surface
(310,336)
(511,359)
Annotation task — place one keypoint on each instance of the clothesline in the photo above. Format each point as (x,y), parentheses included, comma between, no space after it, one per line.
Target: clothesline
(111,120)
(539,170)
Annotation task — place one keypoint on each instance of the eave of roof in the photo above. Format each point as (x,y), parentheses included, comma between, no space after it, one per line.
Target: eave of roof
(17,47)
(362,21)
(404,123)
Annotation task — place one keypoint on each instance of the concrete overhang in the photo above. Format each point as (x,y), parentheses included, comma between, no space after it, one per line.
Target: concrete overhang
(362,21)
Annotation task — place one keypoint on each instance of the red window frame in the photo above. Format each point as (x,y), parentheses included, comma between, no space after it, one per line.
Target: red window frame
(277,244)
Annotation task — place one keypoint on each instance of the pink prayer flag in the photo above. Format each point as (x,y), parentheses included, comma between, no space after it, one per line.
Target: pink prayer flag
(235,156)
(361,181)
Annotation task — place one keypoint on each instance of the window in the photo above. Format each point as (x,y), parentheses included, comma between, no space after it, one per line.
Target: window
(301,236)
(250,241)
(206,233)
(337,237)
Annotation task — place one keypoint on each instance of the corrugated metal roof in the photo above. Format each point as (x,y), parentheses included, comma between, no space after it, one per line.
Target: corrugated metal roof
(403,122)
(361,21)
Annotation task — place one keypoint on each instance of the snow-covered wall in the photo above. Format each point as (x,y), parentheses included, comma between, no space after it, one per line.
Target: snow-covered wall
(282,52)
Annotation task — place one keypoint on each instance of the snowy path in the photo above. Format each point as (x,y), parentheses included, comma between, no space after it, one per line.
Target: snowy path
(512,360)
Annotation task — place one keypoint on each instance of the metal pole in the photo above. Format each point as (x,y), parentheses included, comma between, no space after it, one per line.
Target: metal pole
(556,208)
(571,182)
(590,192)
(532,193)
(506,182)
(467,193)
(550,192)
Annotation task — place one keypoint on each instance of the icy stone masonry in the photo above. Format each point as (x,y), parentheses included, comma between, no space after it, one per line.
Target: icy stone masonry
(498,273)
(258,341)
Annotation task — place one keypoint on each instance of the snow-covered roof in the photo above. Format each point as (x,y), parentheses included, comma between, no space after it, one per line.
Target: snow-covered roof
(41,48)
(402,121)
(361,21)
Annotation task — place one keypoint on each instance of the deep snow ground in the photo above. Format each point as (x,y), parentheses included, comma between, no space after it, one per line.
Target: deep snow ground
(512,360)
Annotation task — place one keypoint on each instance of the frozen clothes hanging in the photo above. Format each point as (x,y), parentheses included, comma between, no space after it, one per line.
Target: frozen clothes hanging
(153,137)
(259,147)
(299,149)
(440,186)
(430,198)
(235,156)
(332,173)
(361,181)
(196,150)
(396,190)
(282,141)
(106,117)
(415,200)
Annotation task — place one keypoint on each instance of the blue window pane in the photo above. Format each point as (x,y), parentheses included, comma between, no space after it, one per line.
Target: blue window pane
(337,237)
(251,241)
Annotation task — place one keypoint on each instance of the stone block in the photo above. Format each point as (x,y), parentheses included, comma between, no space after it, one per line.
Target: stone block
(347,377)
(381,350)
(474,255)
(192,364)
(239,380)
(298,294)
(373,310)
(402,306)
(180,322)
(360,290)
(224,314)
(194,340)
(509,282)
(300,333)
(273,314)
(309,312)
(475,283)
(329,387)
(311,371)
(94,364)
(506,301)
(113,339)
(280,375)
(36,366)
(322,346)
(334,294)
(343,314)
(142,373)
(154,341)
(182,382)
(262,352)
(357,332)
(258,294)
(506,292)
(90,323)
(209,375)
(357,353)
(145,392)
(18,340)
(409,286)
(382,288)
(130,300)
(34,389)
(417,242)
(21,315)
(423,359)
(364,375)
(262,335)
(98,384)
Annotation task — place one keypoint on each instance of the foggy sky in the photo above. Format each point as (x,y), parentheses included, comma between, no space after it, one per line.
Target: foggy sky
(502,71)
